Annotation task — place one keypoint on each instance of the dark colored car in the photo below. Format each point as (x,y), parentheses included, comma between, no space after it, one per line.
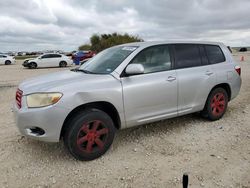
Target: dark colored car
(81,56)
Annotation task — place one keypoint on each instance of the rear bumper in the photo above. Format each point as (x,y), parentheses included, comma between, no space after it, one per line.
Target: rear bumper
(42,124)
(235,87)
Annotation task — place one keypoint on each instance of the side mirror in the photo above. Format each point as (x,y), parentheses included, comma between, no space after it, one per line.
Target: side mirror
(133,69)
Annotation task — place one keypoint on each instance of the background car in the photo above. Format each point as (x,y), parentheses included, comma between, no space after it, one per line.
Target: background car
(48,60)
(84,61)
(7,60)
(80,56)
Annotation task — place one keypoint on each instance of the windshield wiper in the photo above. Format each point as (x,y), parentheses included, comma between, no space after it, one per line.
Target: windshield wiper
(82,70)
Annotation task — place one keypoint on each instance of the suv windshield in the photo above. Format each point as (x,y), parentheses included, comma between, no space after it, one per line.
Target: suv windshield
(108,60)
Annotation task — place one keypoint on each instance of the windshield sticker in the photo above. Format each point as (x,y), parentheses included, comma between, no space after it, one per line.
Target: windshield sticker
(129,48)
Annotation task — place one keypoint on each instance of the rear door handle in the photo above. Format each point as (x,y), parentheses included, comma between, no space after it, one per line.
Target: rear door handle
(209,73)
(171,78)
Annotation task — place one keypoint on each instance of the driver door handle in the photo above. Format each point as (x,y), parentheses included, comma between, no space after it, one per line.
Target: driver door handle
(209,73)
(171,78)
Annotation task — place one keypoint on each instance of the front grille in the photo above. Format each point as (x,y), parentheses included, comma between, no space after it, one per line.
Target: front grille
(19,94)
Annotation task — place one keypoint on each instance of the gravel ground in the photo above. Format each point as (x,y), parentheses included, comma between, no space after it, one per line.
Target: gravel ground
(214,154)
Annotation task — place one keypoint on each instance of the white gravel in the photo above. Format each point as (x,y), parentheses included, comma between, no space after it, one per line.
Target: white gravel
(214,154)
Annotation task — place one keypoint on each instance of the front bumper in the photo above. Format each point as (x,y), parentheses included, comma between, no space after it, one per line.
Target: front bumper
(48,119)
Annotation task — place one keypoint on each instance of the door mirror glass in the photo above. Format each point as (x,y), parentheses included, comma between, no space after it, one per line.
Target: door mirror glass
(133,69)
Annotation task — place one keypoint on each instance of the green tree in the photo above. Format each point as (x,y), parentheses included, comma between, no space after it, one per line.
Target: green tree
(103,41)
(84,47)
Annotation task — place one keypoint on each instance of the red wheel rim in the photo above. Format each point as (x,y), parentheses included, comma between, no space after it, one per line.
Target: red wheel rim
(218,104)
(92,136)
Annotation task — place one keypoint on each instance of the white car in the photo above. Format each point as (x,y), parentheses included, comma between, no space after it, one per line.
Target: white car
(48,60)
(7,60)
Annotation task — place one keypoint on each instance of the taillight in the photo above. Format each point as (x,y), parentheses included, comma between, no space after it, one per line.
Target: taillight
(19,94)
(238,69)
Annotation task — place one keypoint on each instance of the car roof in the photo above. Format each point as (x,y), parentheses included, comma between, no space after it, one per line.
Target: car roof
(152,43)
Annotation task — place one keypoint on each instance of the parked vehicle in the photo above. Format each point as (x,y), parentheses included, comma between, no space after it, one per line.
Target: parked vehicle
(84,61)
(125,86)
(6,60)
(80,56)
(48,60)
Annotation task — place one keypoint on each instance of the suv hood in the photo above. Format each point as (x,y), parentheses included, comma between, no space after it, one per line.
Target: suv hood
(56,82)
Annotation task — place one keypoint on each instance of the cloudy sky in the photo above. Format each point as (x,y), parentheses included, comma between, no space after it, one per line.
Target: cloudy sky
(66,24)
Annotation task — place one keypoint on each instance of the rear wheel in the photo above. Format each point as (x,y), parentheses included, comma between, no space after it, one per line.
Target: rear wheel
(216,104)
(89,135)
(32,65)
(7,62)
(63,64)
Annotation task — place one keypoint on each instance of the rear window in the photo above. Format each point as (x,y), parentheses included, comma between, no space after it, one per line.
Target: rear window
(187,55)
(214,54)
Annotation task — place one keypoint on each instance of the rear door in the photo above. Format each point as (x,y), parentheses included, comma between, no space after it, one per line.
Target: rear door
(195,77)
(153,95)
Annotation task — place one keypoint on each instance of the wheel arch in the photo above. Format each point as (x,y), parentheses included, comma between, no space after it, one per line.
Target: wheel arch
(33,62)
(225,86)
(7,60)
(107,107)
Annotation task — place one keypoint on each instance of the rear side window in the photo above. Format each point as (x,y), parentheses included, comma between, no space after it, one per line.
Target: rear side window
(187,55)
(215,54)
(204,59)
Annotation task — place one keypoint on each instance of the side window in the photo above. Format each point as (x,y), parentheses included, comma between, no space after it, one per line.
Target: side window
(204,59)
(46,56)
(154,59)
(55,55)
(215,54)
(187,55)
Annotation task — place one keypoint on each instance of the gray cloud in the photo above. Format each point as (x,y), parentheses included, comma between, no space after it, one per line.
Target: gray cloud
(65,24)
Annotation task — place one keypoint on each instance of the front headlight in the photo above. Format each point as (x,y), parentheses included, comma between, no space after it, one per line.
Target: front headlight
(42,99)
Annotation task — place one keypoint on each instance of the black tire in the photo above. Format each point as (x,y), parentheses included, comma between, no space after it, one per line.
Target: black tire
(63,64)
(7,62)
(89,134)
(216,104)
(32,65)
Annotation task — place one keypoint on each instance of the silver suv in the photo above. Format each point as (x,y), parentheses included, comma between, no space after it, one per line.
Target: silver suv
(125,86)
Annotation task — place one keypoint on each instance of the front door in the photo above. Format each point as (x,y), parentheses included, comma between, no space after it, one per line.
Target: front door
(45,60)
(151,96)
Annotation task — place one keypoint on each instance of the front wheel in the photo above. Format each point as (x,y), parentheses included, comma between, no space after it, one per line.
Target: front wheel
(216,104)
(89,135)
(32,65)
